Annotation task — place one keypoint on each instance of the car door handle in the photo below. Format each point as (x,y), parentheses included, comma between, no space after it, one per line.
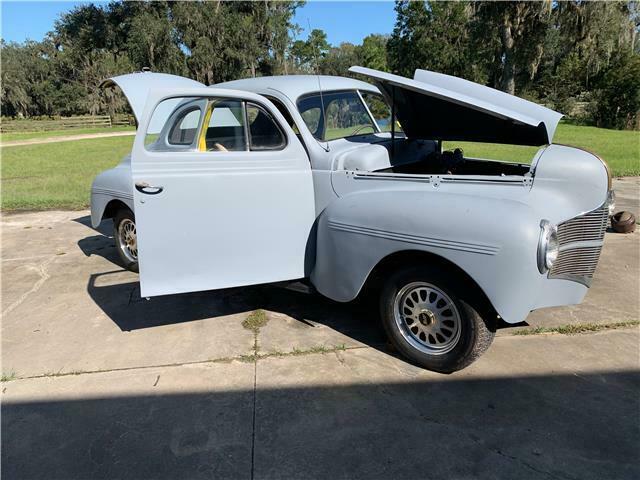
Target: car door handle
(144,187)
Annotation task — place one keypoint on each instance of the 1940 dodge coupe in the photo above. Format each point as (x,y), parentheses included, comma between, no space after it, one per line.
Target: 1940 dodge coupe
(346,185)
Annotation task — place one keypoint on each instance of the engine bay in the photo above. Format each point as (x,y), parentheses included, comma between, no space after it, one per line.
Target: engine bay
(453,162)
(421,157)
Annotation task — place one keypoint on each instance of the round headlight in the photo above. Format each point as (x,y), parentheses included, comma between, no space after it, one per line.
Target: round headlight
(548,246)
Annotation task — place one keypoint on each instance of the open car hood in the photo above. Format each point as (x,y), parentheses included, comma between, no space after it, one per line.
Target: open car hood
(441,107)
(136,87)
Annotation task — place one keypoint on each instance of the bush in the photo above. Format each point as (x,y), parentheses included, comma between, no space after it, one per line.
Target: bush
(617,98)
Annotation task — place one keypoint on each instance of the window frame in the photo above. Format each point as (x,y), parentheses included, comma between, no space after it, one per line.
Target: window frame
(283,135)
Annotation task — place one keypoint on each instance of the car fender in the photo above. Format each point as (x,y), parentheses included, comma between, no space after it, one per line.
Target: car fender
(110,186)
(493,240)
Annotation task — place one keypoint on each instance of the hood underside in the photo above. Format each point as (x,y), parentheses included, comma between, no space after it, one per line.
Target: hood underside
(441,107)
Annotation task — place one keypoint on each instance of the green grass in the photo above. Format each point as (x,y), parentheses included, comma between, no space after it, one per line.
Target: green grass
(575,329)
(59,175)
(620,149)
(255,321)
(56,175)
(11,137)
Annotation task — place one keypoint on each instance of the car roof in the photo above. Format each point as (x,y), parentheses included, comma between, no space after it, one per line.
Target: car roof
(295,86)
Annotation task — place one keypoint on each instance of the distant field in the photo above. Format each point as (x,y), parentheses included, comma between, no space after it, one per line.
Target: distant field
(59,175)
(620,149)
(11,137)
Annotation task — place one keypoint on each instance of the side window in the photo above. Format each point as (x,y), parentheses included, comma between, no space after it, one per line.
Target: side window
(212,125)
(185,127)
(264,133)
(174,124)
(225,127)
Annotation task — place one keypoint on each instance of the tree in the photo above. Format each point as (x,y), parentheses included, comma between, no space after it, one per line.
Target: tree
(373,53)
(309,53)
(618,94)
(151,40)
(521,27)
(432,36)
(338,59)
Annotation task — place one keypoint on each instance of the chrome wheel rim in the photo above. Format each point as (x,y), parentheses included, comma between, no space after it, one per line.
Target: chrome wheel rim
(127,241)
(427,318)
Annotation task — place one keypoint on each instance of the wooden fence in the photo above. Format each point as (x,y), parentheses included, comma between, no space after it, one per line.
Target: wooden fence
(65,123)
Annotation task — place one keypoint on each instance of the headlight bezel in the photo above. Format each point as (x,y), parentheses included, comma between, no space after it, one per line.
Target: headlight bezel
(548,246)
(611,202)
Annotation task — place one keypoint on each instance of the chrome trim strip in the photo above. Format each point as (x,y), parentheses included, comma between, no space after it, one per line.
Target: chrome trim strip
(114,193)
(437,179)
(482,249)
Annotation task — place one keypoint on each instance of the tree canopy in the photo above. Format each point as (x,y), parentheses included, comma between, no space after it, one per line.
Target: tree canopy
(562,54)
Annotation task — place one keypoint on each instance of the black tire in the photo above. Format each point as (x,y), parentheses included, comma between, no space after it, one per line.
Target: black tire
(474,335)
(124,215)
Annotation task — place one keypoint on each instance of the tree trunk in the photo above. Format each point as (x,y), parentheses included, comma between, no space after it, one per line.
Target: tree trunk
(509,71)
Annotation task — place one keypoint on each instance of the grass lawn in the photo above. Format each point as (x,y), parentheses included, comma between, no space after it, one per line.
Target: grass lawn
(620,149)
(59,175)
(14,136)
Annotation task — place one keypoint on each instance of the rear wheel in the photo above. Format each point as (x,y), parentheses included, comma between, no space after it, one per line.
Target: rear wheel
(124,232)
(432,321)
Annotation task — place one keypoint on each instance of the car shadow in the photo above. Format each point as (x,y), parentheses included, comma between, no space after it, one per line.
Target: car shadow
(122,303)
(117,293)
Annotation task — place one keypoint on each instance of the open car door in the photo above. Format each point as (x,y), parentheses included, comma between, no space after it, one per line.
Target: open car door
(223,192)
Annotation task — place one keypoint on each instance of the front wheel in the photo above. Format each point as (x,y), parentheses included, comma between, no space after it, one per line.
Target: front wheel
(124,232)
(430,319)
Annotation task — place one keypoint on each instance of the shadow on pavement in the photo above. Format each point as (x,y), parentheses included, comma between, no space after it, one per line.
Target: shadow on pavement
(123,304)
(557,426)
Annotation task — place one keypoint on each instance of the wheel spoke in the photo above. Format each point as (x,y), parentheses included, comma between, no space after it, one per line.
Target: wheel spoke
(427,318)
(127,239)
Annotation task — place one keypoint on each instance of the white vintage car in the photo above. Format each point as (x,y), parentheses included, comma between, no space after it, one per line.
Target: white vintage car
(346,184)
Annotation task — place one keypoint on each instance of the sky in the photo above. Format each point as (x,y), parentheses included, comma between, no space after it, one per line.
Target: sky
(342,21)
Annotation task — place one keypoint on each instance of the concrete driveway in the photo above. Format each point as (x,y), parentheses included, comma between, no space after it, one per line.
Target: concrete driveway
(98,383)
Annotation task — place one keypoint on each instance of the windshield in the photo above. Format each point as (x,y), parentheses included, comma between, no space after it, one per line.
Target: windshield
(380,110)
(344,115)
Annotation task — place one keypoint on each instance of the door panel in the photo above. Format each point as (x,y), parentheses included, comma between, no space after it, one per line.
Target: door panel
(222,218)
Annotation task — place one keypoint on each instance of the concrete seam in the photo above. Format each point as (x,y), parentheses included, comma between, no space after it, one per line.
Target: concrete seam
(175,365)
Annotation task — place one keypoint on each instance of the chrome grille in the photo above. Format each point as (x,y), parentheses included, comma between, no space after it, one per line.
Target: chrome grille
(577,261)
(590,226)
